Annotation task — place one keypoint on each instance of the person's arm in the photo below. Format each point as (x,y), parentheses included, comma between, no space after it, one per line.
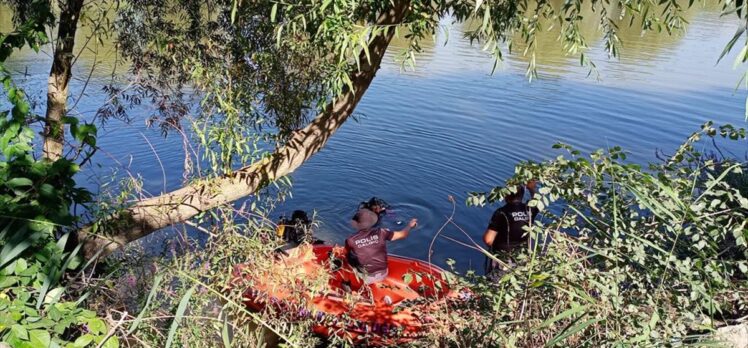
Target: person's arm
(532,186)
(397,235)
(496,223)
(488,237)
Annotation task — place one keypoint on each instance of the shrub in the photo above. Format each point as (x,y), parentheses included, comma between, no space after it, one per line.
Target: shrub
(36,197)
(625,256)
(192,302)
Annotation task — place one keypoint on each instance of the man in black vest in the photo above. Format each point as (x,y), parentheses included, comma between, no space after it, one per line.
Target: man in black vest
(505,230)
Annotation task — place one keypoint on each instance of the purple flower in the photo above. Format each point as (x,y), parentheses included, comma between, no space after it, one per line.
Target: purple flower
(130,280)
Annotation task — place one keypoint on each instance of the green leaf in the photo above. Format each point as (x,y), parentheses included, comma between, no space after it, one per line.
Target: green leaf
(112,342)
(75,262)
(16,245)
(54,295)
(19,182)
(21,266)
(743,267)
(731,43)
(325,3)
(178,316)
(653,320)
(50,278)
(570,331)
(83,132)
(40,338)
(365,47)
(97,326)
(47,191)
(279,35)
(563,315)
(83,340)
(234,8)
(42,323)
(21,109)
(486,18)
(225,337)
(19,331)
(273,12)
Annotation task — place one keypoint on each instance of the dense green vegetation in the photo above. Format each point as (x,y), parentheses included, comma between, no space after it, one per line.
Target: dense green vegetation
(36,197)
(644,256)
(632,256)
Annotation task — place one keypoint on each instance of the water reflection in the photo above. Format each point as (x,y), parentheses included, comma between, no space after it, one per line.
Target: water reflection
(707,31)
(693,52)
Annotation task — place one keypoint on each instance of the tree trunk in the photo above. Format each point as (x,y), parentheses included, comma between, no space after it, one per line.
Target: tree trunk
(59,77)
(155,213)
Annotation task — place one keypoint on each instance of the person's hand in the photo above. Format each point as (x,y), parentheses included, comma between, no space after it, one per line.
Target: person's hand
(532,185)
(413,223)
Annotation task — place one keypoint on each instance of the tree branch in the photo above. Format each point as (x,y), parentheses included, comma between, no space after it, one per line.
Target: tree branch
(177,206)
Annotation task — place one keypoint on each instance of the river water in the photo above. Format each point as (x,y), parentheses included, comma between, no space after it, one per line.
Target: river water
(450,127)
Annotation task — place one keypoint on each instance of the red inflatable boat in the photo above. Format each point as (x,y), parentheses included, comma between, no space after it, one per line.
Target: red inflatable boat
(396,310)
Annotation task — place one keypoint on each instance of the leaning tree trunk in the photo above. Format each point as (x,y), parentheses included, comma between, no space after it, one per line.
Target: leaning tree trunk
(155,213)
(59,77)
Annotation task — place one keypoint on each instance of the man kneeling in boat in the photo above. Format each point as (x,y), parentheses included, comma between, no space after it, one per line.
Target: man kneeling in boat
(367,248)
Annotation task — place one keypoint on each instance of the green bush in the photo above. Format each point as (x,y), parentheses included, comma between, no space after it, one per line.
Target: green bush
(190,302)
(627,256)
(36,197)
(32,318)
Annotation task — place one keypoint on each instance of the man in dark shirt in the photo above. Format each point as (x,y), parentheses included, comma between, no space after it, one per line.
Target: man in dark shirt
(505,231)
(367,248)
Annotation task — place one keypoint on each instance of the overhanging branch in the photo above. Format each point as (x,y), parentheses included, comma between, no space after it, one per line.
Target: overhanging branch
(155,213)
